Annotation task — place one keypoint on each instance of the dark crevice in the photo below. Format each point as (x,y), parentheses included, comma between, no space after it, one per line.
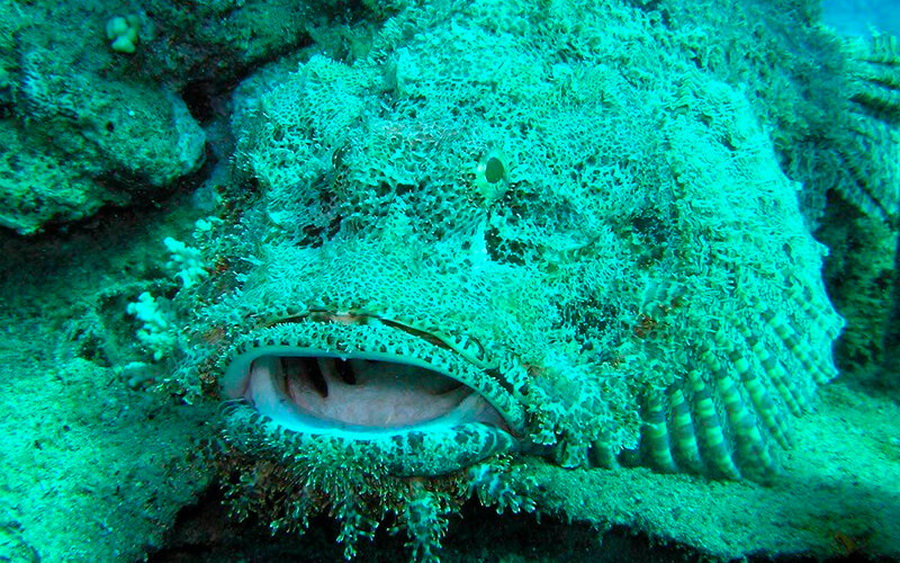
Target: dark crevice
(345,371)
(305,368)
(205,532)
(200,97)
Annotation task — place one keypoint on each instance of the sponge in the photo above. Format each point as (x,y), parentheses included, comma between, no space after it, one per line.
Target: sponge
(123,32)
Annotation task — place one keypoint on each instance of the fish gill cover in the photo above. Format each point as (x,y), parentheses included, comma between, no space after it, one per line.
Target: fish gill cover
(512,229)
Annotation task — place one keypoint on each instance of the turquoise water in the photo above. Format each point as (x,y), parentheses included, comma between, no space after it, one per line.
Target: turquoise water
(460,281)
(861,17)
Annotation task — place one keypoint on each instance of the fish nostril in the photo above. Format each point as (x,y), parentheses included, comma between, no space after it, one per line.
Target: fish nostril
(345,371)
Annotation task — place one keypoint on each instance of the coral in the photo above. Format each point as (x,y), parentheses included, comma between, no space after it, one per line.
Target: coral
(103,128)
(186,261)
(860,271)
(129,130)
(217,42)
(37,187)
(91,136)
(88,141)
(156,334)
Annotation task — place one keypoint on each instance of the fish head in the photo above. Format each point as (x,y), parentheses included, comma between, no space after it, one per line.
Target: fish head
(463,250)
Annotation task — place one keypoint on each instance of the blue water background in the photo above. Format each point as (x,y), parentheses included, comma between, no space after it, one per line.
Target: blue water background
(862,17)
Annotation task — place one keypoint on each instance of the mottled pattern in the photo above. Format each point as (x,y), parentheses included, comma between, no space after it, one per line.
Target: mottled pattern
(550,205)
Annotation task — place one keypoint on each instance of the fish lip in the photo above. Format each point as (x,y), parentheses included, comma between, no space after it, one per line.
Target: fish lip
(508,419)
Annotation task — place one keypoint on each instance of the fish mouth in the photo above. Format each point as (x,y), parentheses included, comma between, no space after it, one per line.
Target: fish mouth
(304,390)
(378,383)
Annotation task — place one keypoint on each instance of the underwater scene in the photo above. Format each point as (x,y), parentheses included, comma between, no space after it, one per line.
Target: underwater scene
(445,280)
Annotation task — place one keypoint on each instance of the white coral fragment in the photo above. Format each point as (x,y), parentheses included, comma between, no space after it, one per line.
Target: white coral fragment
(187,260)
(155,335)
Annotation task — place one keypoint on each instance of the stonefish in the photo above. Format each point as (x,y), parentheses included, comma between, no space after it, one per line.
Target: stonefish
(510,229)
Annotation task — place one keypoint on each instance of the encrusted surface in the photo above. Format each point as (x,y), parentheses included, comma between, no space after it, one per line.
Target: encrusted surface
(604,231)
(589,214)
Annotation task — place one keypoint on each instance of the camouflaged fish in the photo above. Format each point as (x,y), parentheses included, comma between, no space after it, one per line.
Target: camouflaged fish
(506,231)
